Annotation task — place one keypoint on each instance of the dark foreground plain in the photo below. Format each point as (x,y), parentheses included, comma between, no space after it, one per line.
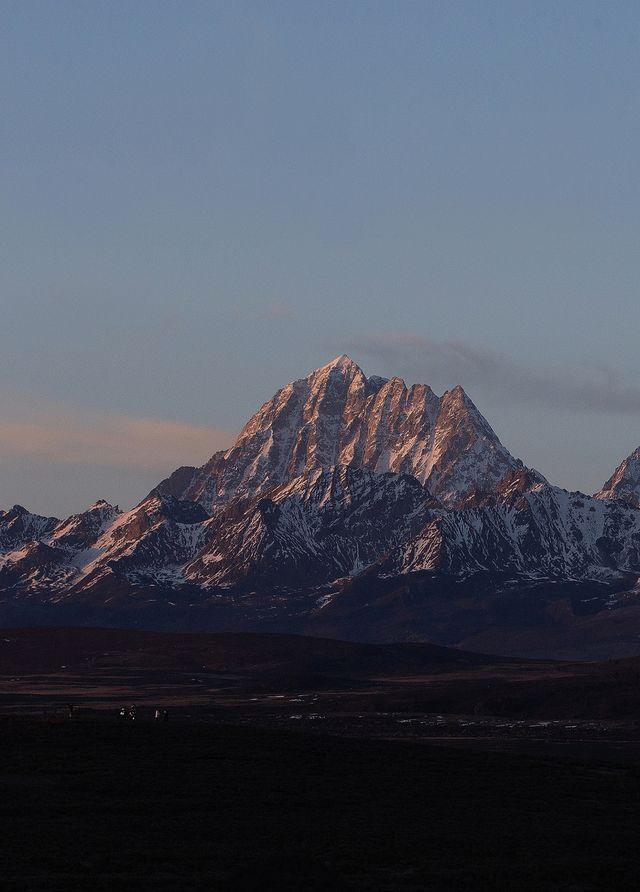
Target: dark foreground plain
(295,763)
(95,805)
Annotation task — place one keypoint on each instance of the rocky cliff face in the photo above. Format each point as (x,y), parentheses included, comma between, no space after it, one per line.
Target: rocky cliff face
(307,532)
(17,526)
(337,416)
(624,483)
(547,533)
(319,527)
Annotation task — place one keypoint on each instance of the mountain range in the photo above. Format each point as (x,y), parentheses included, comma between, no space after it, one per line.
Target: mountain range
(355,507)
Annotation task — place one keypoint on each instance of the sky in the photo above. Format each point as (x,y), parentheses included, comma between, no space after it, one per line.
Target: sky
(205,200)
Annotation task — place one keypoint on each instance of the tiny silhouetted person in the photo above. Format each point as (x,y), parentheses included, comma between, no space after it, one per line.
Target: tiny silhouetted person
(132,713)
(165,715)
(70,709)
(123,712)
(156,715)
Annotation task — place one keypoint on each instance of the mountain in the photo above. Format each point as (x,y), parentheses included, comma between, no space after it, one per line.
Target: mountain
(336,416)
(546,573)
(350,506)
(624,483)
(320,526)
(547,533)
(324,479)
(17,526)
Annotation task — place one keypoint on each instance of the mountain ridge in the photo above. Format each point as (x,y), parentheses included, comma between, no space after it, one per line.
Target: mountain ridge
(338,481)
(624,483)
(338,416)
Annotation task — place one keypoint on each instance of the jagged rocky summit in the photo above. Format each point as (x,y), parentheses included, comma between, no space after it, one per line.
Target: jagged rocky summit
(351,506)
(624,483)
(338,417)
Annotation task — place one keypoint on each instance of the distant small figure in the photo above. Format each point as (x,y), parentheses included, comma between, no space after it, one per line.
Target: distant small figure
(70,710)
(156,715)
(132,713)
(165,715)
(123,712)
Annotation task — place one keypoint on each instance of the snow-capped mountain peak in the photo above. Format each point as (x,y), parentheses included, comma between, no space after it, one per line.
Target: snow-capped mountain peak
(337,416)
(624,483)
(339,483)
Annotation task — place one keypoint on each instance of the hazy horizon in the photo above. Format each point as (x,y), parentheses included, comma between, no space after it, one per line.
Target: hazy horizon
(205,201)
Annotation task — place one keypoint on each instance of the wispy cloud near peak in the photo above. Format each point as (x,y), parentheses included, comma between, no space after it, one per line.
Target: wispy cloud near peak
(582,387)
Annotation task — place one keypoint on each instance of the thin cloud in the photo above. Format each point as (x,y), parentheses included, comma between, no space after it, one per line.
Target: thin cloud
(587,387)
(73,437)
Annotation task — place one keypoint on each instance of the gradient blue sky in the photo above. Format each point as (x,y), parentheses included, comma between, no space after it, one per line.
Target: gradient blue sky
(203,201)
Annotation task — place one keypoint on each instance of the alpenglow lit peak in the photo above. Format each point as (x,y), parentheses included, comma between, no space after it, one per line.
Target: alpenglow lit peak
(337,416)
(624,483)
